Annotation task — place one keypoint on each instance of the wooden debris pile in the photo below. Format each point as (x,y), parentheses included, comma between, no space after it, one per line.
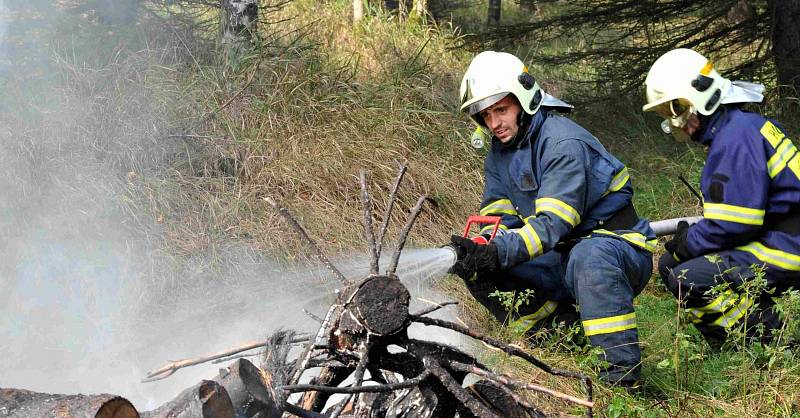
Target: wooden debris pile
(361,362)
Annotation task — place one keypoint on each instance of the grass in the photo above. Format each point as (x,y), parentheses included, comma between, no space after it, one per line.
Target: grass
(192,146)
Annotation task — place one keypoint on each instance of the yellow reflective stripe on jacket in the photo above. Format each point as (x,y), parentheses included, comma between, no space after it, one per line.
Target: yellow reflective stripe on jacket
(619,180)
(499,206)
(794,165)
(634,238)
(527,322)
(532,241)
(731,213)
(718,305)
(559,208)
(694,315)
(783,154)
(610,324)
(772,133)
(782,259)
(784,151)
(488,229)
(733,315)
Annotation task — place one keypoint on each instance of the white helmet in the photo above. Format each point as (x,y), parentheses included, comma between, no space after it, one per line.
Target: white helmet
(682,79)
(491,76)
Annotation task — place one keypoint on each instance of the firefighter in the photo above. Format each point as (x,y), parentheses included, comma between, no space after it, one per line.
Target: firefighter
(569,231)
(751,200)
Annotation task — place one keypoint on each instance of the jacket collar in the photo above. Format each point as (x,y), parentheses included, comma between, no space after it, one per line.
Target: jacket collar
(713,124)
(530,133)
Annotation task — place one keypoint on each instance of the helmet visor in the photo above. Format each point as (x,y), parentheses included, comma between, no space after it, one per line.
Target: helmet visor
(674,108)
(475,107)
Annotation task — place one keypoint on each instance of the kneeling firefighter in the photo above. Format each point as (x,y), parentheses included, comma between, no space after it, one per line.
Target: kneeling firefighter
(568,231)
(751,199)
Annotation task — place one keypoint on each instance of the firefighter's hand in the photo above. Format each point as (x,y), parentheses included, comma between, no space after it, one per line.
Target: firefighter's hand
(677,245)
(473,258)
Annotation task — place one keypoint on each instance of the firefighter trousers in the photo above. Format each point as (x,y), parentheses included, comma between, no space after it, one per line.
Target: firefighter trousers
(601,275)
(713,291)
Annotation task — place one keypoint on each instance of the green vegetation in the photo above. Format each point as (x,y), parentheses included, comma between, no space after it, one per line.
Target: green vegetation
(300,116)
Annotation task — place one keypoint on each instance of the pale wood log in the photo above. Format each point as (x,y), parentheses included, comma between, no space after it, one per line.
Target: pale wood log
(20,403)
(248,390)
(207,399)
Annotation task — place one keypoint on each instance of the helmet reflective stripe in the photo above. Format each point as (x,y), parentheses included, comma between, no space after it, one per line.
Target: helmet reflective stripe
(687,75)
(490,77)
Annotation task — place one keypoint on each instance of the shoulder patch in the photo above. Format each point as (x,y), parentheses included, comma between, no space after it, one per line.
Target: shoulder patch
(716,191)
(772,133)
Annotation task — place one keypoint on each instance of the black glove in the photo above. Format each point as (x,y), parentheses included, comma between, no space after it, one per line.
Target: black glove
(677,245)
(473,258)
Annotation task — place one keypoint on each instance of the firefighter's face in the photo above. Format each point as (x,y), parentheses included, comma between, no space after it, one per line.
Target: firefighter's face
(501,118)
(692,125)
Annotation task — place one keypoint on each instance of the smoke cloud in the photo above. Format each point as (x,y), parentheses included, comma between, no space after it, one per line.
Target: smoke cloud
(90,296)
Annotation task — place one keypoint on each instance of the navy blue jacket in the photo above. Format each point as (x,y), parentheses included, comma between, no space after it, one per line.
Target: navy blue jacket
(558,180)
(751,178)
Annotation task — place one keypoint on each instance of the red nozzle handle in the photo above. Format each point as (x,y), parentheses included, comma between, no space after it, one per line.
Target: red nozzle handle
(477,219)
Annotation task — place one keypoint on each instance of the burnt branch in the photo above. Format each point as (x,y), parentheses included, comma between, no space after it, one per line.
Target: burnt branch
(389,207)
(302,413)
(304,235)
(368,232)
(168,369)
(409,383)
(302,361)
(508,349)
(358,379)
(434,308)
(312,316)
(476,407)
(404,235)
(515,384)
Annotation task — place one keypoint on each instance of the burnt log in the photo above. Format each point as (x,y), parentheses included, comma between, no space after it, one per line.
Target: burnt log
(207,399)
(500,400)
(248,390)
(329,376)
(418,402)
(381,305)
(20,403)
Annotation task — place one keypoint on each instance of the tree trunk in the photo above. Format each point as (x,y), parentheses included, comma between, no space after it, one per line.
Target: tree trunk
(19,403)
(786,43)
(238,21)
(358,10)
(531,6)
(420,8)
(494,12)
(391,5)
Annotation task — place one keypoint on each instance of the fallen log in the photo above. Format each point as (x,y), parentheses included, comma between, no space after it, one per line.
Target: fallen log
(247,390)
(20,403)
(207,399)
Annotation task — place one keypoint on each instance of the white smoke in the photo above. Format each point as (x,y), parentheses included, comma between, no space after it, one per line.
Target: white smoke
(89,301)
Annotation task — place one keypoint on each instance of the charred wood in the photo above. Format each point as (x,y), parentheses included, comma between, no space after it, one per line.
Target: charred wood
(207,399)
(501,400)
(248,390)
(20,403)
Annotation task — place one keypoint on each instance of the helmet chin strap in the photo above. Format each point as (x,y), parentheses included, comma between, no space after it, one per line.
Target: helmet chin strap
(523,121)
